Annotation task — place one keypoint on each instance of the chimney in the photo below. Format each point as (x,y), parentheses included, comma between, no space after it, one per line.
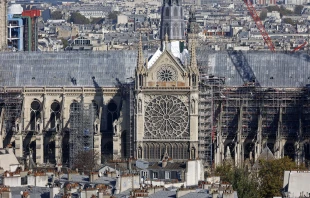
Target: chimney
(164,163)
(129,164)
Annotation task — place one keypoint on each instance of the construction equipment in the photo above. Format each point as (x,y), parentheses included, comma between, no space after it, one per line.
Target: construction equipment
(259,25)
(299,47)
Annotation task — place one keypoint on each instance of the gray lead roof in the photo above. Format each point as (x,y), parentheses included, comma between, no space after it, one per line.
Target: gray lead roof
(78,68)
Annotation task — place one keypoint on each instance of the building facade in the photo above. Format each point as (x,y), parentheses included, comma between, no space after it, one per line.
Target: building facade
(186,104)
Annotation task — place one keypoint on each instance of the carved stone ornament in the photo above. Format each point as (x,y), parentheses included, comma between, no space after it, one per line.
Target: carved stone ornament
(166,117)
(166,74)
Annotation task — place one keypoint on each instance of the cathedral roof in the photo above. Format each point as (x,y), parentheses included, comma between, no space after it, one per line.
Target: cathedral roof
(58,69)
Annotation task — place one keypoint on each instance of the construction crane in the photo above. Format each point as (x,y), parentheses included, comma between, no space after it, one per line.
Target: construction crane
(259,25)
(299,47)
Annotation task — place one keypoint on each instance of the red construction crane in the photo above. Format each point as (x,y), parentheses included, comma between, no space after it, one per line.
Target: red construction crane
(259,25)
(300,46)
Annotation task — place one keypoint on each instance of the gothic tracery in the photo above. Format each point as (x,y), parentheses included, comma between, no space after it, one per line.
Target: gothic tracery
(166,117)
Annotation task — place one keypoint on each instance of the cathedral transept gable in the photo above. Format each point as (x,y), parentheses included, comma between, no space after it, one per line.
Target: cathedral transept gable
(167,71)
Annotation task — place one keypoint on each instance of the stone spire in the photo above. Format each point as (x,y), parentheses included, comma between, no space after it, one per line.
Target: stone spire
(193,64)
(140,61)
(172,20)
(192,27)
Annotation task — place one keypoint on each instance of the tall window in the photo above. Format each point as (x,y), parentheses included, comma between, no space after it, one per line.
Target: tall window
(167,175)
(55,115)
(112,114)
(35,115)
(175,12)
(167,12)
(146,152)
(74,115)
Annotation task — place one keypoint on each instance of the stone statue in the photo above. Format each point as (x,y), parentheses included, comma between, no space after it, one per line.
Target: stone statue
(140,106)
(193,106)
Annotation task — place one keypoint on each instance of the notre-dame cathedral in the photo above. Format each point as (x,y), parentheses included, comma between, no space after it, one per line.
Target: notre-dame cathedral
(183,100)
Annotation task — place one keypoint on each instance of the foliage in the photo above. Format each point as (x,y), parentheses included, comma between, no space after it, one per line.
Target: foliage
(113,15)
(283,11)
(267,182)
(288,21)
(271,175)
(77,18)
(56,15)
(97,20)
(86,160)
(245,183)
(65,43)
(298,9)
(263,14)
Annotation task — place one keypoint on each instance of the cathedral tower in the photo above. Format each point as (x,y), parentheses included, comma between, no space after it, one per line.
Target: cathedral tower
(3,25)
(192,28)
(172,20)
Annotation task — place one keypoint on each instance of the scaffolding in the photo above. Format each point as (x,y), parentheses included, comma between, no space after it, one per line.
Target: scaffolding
(11,106)
(210,89)
(81,137)
(252,113)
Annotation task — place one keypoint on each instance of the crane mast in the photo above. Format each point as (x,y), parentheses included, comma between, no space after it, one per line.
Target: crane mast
(259,25)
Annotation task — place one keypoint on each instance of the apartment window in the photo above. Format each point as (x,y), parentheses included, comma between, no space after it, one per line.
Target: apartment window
(155,175)
(167,175)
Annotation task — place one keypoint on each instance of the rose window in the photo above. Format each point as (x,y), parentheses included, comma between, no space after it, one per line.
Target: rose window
(166,73)
(166,117)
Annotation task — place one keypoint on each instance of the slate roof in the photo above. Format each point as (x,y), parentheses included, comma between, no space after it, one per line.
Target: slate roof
(169,166)
(164,194)
(42,192)
(57,69)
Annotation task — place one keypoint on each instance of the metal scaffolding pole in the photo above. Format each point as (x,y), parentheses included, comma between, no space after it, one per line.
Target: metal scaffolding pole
(82,117)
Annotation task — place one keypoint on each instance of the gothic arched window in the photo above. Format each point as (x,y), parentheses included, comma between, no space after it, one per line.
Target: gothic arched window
(146,152)
(167,12)
(112,114)
(55,115)
(35,115)
(175,12)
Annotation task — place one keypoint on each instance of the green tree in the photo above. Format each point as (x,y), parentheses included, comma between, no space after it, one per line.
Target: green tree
(65,43)
(271,175)
(97,20)
(245,183)
(113,15)
(298,9)
(77,18)
(283,11)
(288,21)
(56,15)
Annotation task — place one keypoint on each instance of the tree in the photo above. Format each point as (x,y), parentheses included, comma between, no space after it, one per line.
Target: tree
(245,183)
(283,11)
(65,43)
(86,160)
(56,15)
(77,18)
(97,20)
(113,15)
(288,21)
(271,175)
(298,9)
